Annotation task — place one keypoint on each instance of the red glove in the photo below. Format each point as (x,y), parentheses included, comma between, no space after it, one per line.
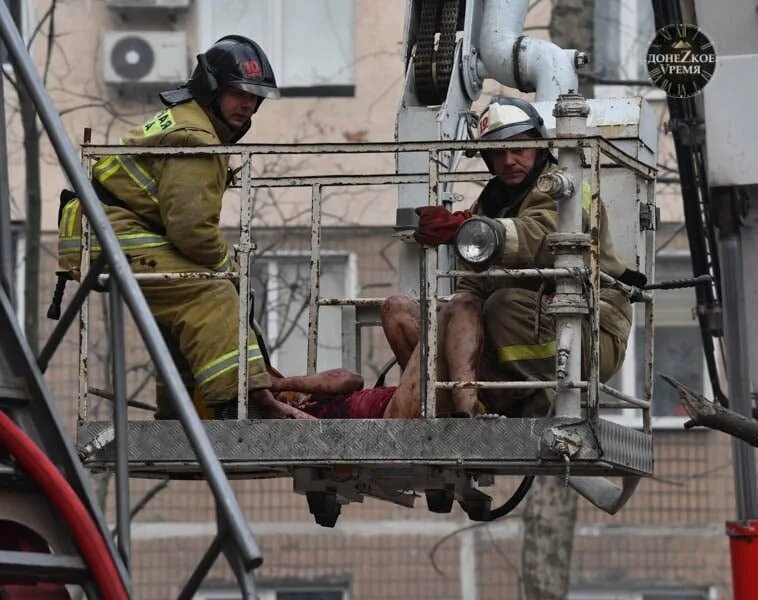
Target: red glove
(437,225)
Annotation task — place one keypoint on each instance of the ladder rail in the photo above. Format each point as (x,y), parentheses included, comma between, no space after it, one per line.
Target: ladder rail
(229,509)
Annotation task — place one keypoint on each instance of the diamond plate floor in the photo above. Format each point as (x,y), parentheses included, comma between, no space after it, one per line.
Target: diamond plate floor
(272,448)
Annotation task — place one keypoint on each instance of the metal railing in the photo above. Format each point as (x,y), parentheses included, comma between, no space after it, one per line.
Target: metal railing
(595,146)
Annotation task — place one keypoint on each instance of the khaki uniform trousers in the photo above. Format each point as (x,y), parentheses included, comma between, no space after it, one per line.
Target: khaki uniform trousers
(199,320)
(517,348)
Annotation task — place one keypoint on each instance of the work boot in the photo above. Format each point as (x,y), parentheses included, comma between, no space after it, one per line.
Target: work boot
(225,411)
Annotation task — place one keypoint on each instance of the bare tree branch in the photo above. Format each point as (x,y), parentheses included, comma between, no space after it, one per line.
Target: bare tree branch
(50,40)
(40,24)
(714,416)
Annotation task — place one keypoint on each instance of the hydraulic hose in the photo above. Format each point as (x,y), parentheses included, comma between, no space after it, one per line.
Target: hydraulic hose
(86,535)
(513,501)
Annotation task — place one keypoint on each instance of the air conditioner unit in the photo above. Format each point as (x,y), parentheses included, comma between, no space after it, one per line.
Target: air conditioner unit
(168,4)
(144,57)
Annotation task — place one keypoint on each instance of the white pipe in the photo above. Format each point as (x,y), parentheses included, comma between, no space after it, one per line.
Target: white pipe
(603,493)
(542,66)
(546,68)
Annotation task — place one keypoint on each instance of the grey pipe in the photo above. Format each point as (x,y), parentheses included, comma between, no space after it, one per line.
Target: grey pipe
(515,60)
(738,371)
(120,426)
(119,268)
(603,493)
(6,247)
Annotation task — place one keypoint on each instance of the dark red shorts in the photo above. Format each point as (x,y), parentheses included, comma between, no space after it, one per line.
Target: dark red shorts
(363,404)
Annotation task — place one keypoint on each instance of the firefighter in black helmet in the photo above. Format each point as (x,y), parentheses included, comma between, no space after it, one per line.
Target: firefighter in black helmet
(233,63)
(165,212)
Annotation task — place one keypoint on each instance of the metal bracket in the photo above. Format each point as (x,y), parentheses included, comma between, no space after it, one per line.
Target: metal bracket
(603,493)
(650,217)
(561,441)
(557,185)
(691,132)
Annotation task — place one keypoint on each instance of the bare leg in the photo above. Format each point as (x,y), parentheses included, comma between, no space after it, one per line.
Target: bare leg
(461,335)
(405,402)
(334,381)
(400,322)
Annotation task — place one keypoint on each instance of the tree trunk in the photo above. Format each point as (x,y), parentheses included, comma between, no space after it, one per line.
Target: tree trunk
(549,520)
(550,513)
(33,201)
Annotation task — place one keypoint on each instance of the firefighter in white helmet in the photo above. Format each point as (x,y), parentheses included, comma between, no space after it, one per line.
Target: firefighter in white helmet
(497,329)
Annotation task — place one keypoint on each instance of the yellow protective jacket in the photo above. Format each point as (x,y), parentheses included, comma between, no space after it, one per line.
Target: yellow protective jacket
(162,200)
(165,212)
(528,218)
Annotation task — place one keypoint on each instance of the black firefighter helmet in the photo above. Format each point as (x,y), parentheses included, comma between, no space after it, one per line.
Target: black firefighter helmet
(234,60)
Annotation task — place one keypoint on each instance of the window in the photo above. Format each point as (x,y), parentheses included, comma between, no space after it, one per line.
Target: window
(310,44)
(673,592)
(678,352)
(677,348)
(623,31)
(281,284)
(21,11)
(288,591)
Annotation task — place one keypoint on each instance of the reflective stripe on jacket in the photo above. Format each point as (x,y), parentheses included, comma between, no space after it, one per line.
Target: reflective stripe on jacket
(70,238)
(528,220)
(178,195)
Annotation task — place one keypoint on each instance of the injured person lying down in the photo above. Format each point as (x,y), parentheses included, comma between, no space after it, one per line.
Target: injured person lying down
(339,393)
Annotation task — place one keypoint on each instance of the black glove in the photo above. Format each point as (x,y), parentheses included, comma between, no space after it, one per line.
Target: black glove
(633,278)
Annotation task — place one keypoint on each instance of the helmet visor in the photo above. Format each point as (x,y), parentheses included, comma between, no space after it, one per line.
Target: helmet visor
(264,91)
(507,131)
(502,121)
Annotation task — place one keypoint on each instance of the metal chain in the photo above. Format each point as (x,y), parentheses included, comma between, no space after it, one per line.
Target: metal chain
(422,59)
(446,49)
(432,68)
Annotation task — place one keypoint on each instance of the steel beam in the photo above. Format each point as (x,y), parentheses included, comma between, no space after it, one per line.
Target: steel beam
(39,567)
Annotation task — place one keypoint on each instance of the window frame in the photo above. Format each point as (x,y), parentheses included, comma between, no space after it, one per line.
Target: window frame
(270,590)
(631,417)
(27,18)
(641,592)
(628,19)
(274,259)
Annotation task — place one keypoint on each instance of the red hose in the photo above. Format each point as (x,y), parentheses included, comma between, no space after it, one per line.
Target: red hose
(87,536)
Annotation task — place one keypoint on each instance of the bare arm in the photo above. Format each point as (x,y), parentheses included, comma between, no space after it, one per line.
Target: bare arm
(276,409)
(334,381)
